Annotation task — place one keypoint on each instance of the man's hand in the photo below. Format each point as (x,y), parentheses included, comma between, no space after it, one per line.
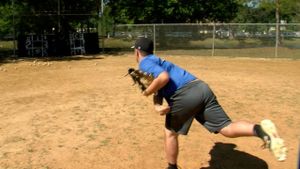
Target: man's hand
(145,93)
(162,109)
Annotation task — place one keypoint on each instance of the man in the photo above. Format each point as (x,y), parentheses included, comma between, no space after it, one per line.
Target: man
(190,98)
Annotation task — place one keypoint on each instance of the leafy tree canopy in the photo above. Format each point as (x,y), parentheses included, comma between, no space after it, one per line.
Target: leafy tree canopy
(42,16)
(263,11)
(172,11)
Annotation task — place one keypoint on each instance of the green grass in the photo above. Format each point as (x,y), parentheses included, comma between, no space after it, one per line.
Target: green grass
(245,43)
(4,45)
(290,48)
(246,52)
(267,52)
(117,43)
(292,43)
(6,49)
(223,47)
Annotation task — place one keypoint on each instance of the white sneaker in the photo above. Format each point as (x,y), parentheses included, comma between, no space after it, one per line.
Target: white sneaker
(273,141)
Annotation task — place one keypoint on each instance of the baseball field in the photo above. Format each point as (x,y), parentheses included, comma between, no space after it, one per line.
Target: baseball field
(82,113)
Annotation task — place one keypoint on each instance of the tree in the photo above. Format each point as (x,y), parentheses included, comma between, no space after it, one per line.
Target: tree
(58,15)
(264,11)
(172,11)
(5,20)
(290,10)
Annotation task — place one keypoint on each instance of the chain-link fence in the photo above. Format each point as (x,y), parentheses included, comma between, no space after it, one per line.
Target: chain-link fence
(63,27)
(213,39)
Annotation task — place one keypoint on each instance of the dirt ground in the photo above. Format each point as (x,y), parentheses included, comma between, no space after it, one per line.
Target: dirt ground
(83,114)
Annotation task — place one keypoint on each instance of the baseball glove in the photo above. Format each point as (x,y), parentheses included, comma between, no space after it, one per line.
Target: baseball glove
(143,79)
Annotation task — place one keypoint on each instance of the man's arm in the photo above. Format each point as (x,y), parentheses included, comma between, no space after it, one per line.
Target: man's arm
(158,104)
(159,82)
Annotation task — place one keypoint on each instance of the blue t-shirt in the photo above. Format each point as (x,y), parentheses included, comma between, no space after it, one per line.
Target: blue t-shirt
(178,77)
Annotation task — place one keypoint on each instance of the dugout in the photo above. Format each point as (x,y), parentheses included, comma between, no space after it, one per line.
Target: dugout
(44,45)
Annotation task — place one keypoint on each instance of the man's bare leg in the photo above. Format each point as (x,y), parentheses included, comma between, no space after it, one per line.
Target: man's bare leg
(238,129)
(171,146)
(266,131)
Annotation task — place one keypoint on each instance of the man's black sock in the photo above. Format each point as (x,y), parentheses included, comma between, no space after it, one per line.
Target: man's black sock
(172,166)
(259,132)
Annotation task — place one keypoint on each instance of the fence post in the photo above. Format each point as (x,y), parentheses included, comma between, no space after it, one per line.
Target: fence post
(154,38)
(213,42)
(14,28)
(277,40)
(277,28)
(102,33)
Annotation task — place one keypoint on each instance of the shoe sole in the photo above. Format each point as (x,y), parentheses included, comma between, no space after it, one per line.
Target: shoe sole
(276,144)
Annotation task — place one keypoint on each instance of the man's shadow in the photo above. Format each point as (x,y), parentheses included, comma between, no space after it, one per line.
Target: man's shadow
(224,156)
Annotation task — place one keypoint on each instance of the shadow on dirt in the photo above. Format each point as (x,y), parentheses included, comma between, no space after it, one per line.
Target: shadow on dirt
(49,59)
(9,59)
(224,156)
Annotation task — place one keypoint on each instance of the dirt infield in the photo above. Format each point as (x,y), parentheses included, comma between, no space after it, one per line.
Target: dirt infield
(82,114)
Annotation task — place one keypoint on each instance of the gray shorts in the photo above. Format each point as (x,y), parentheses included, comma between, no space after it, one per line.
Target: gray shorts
(195,100)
